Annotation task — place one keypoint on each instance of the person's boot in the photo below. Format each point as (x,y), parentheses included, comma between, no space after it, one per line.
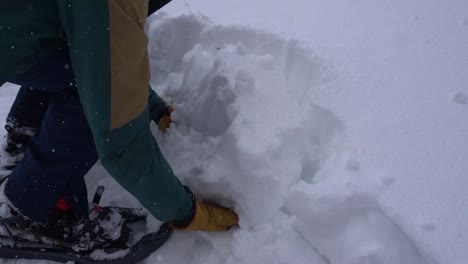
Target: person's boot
(59,227)
(104,229)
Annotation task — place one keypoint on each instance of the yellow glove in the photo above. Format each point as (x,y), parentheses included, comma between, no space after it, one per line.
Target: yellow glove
(211,217)
(165,121)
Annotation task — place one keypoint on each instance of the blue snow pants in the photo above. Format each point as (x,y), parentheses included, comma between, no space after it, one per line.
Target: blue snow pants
(28,111)
(62,150)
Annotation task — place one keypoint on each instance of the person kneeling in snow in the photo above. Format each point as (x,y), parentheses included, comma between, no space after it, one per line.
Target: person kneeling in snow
(91,57)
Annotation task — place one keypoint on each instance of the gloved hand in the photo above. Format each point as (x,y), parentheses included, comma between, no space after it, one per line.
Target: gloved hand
(165,121)
(211,217)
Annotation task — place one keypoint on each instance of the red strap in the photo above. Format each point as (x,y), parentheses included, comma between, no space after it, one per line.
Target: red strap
(62,204)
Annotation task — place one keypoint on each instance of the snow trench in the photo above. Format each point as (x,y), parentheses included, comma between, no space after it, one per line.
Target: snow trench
(249,133)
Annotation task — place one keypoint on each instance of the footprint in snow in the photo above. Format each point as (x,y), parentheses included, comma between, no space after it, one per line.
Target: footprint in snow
(460,98)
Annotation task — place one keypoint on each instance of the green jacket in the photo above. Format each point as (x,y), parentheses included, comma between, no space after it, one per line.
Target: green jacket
(108,50)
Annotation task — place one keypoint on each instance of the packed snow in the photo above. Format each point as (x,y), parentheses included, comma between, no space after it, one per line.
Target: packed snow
(334,148)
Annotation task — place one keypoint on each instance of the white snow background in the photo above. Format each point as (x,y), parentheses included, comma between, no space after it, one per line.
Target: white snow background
(337,129)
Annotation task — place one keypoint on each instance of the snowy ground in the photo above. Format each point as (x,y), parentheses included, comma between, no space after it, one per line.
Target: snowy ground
(345,147)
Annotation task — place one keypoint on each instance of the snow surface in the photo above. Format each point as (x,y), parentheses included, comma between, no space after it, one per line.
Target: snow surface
(347,146)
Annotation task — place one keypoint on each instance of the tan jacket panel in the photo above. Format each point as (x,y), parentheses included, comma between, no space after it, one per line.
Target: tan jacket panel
(130,73)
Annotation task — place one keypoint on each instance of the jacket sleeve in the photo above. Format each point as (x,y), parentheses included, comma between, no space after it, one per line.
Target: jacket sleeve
(108,49)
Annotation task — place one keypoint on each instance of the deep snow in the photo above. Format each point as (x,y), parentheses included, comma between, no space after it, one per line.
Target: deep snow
(348,146)
(400,83)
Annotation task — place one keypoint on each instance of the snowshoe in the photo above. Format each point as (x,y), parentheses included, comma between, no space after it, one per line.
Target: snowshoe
(111,235)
